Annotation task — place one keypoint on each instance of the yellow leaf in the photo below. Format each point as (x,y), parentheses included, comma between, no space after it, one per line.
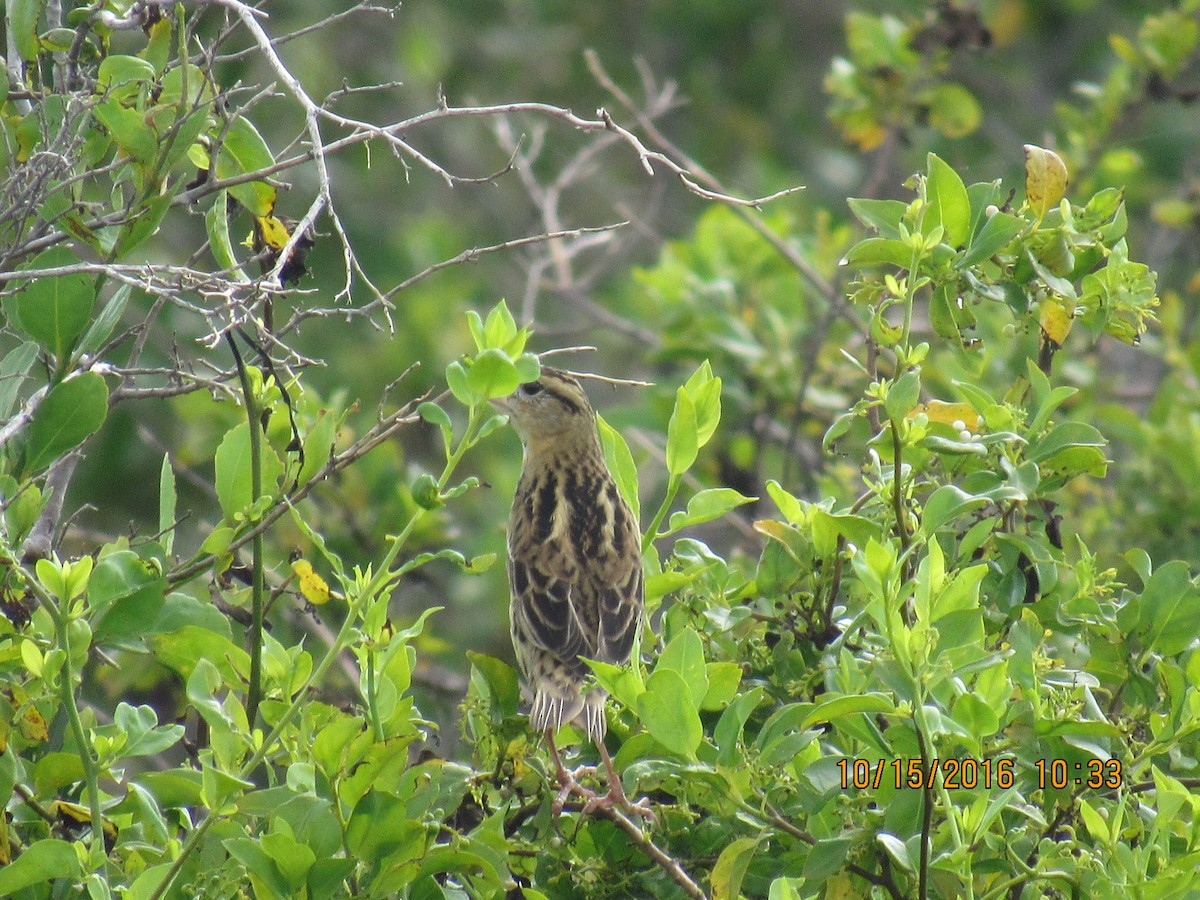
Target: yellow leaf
(1045,179)
(1057,317)
(273,232)
(73,816)
(949,413)
(840,887)
(314,588)
(29,720)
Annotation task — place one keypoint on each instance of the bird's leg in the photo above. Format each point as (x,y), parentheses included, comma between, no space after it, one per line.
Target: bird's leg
(567,780)
(616,793)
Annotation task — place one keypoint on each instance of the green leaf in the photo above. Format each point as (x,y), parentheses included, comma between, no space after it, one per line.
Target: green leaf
(23,18)
(500,330)
(102,326)
(129,129)
(71,412)
(216,223)
(318,445)
(1063,436)
(945,504)
(793,509)
(682,440)
(182,650)
(953,110)
(705,393)
(947,203)
(705,506)
(501,679)
(55,311)
(435,415)
(1170,609)
(380,825)
(126,593)
(996,234)
(976,716)
(825,858)
(684,655)
(40,862)
(528,367)
(723,681)
(897,850)
(148,216)
(882,215)
(877,250)
(492,374)
(475,325)
(903,395)
(674,724)
(620,463)
(456,380)
(623,684)
(731,867)
(244,151)
(262,869)
(158,49)
(14,368)
(166,504)
(119,575)
(116,70)
(144,736)
(840,705)
(233,471)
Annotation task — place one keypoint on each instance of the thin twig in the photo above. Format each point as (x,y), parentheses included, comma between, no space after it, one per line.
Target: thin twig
(661,858)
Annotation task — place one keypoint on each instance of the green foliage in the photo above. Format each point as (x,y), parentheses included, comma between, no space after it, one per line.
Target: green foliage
(898,642)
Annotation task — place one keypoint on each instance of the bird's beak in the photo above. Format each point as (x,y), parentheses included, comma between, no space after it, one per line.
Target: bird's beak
(501,403)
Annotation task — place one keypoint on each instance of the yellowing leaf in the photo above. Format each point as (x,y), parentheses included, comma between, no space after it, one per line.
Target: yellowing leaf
(1057,317)
(74,816)
(949,413)
(29,720)
(314,588)
(1045,179)
(273,232)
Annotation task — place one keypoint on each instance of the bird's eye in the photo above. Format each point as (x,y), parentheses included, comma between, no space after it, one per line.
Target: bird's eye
(532,389)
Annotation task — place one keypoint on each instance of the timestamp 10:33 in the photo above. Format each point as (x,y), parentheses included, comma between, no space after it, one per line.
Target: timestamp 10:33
(969,774)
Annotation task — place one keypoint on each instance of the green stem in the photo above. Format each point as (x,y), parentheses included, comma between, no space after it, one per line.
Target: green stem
(652,530)
(257,589)
(60,611)
(372,706)
(898,487)
(341,641)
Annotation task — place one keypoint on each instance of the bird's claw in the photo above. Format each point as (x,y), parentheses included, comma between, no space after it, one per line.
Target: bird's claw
(592,802)
(608,801)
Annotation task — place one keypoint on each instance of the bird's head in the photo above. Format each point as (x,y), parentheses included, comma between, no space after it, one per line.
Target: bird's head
(549,410)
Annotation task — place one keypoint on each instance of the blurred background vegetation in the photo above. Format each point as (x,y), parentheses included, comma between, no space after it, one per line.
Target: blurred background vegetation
(769,94)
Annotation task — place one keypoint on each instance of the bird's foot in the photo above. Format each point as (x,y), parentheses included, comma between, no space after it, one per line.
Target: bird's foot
(569,786)
(616,798)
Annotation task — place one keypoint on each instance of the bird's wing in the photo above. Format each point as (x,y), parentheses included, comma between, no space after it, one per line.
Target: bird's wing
(619,611)
(543,607)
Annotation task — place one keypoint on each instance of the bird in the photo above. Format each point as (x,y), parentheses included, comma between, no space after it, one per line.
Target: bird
(574,569)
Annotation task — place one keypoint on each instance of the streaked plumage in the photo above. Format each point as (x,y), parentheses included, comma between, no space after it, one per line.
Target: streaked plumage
(574,558)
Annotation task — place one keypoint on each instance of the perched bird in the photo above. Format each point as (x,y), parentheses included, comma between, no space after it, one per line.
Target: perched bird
(574,566)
